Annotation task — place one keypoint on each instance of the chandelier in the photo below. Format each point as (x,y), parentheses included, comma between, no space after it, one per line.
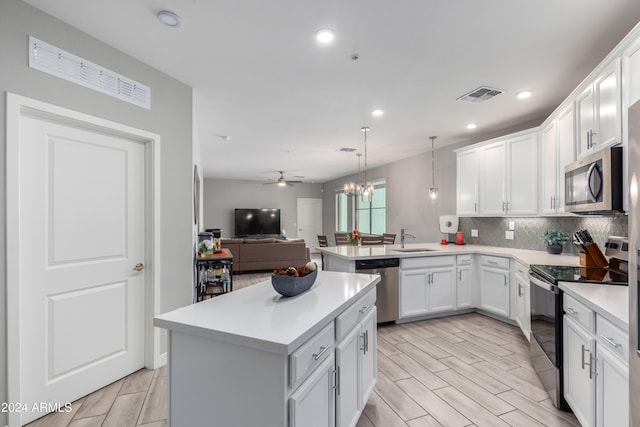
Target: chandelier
(367,187)
(354,188)
(433,191)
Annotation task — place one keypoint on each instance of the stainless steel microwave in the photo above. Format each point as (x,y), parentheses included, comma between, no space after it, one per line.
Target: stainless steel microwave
(593,184)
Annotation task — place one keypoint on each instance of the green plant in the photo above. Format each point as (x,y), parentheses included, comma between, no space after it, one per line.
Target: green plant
(555,237)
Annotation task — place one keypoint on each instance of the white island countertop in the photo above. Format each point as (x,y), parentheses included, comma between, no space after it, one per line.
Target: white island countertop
(257,316)
(525,256)
(612,301)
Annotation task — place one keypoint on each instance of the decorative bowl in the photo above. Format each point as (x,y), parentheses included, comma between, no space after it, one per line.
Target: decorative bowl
(290,286)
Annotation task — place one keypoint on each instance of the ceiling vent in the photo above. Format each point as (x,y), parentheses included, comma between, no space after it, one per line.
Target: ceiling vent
(57,62)
(348,149)
(480,95)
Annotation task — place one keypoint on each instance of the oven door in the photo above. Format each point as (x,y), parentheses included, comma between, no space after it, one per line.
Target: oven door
(546,336)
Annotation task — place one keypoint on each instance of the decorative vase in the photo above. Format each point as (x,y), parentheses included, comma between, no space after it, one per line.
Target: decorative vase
(554,249)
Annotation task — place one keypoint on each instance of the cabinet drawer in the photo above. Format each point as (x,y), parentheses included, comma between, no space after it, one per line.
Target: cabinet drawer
(433,261)
(352,315)
(464,260)
(612,337)
(494,261)
(310,355)
(579,312)
(520,270)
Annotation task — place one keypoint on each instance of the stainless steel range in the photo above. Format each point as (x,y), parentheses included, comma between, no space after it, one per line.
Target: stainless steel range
(546,310)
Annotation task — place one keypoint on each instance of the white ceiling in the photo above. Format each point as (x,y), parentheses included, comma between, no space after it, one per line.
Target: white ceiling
(289,103)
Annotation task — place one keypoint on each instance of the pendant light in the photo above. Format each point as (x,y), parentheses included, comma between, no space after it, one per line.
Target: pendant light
(354,188)
(433,191)
(367,187)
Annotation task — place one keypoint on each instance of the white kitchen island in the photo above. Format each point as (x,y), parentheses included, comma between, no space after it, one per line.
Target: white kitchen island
(255,358)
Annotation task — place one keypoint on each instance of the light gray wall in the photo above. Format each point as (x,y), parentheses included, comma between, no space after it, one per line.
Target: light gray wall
(170,117)
(222,196)
(407,189)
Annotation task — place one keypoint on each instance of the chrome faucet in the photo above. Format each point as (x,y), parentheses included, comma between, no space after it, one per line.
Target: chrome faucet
(404,234)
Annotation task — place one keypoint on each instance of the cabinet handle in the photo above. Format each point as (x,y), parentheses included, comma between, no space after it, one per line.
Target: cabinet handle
(366,341)
(492,262)
(431,278)
(364,309)
(505,280)
(323,349)
(571,311)
(475,207)
(588,140)
(611,341)
(586,363)
(503,209)
(519,290)
(336,380)
(460,275)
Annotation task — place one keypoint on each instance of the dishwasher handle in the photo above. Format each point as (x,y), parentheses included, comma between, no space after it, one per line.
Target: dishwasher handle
(373,264)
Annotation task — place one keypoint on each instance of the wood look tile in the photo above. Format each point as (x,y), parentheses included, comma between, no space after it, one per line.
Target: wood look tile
(155,404)
(88,422)
(438,408)
(469,371)
(99,402)
(488,336)
(427,421)
(434,365)
(488,400)
(125,411)
(469,408)
(418,371)
(488,356)
(520,419)
(389,333)
(162,423)
(549,418)
(426,346)
(385,348)
(160,372)
(380,413)
(390,368)
(363,421)
(401,403)
(483,344)
(455,350)
(452,338)
(529,389)
(137,382)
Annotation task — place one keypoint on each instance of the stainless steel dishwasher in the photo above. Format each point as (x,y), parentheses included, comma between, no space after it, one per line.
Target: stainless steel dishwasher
(388,288)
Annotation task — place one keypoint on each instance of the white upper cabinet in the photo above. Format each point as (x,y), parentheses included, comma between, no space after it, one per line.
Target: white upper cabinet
(599,111)
(467,194)
(557,151)
(499,177)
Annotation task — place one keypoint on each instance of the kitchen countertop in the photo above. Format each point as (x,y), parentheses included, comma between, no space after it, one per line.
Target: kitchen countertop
(527,257)
(257,316)
(609,300)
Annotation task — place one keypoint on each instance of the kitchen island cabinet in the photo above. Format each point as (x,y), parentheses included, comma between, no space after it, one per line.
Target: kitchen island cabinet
(253,357)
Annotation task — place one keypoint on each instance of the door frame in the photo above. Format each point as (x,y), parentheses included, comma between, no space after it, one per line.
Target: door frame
(16,107)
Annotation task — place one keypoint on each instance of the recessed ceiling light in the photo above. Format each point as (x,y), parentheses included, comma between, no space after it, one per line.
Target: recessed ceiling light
(524,94)
(169,18)
(472,126)
(325,35)
(378,112)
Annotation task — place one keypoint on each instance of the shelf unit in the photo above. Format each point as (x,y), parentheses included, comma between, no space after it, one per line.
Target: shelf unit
(208,274)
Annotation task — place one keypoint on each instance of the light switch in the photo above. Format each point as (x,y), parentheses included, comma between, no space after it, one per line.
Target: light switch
(474,232)
(508,235)
(512,225)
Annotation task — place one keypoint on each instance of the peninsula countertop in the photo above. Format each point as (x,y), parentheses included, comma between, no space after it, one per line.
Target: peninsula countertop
(527,257)
(257,316)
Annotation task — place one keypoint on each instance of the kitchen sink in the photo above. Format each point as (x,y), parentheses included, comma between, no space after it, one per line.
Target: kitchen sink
(413,250)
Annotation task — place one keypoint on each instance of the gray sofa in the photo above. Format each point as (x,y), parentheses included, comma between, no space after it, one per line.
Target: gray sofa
(266,254)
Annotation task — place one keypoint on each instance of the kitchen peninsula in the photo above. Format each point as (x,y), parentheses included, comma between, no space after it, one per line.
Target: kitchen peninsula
(253,357)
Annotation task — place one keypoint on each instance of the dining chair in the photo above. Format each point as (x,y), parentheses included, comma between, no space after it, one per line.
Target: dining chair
(341,239)
(371,240)
(322,241)
(388,238)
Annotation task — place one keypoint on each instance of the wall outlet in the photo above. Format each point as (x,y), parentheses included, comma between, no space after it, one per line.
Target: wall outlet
(474,232)
(508,234)
(512,225)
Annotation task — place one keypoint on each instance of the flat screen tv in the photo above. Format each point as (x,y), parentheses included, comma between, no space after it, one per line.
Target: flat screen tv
(257,221)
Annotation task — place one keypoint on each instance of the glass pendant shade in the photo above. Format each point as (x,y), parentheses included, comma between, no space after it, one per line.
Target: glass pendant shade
(433,195)
(433,191)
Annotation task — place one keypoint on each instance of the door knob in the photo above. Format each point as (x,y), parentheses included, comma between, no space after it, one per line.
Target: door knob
(139,267)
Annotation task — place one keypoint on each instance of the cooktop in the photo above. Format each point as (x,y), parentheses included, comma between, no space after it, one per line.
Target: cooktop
(602,275)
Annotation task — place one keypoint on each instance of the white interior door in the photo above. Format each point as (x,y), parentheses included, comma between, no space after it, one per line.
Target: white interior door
(310,221)
(82,232)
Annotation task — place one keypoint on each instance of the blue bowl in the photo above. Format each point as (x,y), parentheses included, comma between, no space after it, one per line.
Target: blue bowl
(289,286)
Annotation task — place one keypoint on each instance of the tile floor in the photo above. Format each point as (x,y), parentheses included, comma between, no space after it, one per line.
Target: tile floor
(466,370)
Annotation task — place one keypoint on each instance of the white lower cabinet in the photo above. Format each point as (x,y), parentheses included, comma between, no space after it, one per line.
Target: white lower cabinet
(427,285)
(579,388)
(494,285)
(596,370)
(523,311)
(312,404)
(464,290)
(356,370)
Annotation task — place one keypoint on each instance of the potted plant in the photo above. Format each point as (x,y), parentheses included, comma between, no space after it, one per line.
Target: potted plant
(554,240)
(354,237)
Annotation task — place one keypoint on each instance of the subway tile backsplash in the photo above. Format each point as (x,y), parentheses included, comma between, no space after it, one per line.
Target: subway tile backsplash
(528,231)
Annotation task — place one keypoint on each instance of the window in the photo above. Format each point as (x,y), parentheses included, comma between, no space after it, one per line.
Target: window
(372,217)
(342,211)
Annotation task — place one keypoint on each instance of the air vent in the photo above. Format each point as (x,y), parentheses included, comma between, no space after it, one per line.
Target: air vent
(52,60)
(480,95)
(348,149)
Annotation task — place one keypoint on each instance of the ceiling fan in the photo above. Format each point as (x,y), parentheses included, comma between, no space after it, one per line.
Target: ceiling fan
(281,181)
